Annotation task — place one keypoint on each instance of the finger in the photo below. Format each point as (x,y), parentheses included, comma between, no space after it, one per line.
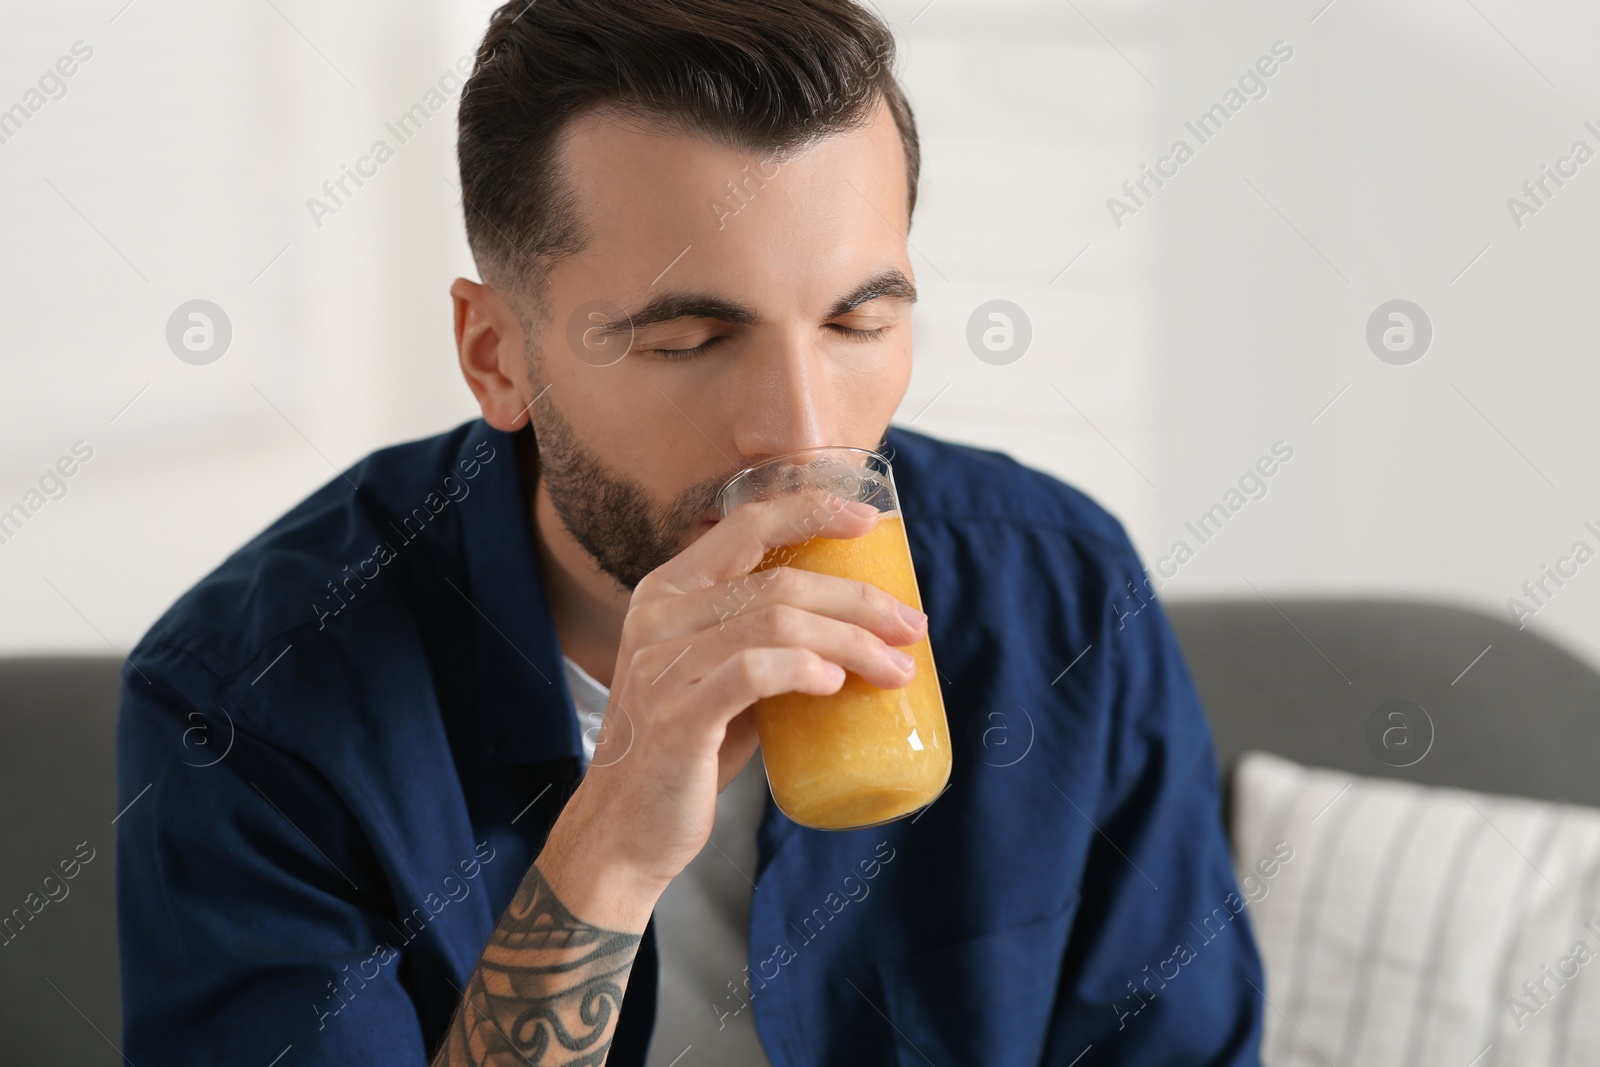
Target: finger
(847,599)
(739,744)
(857,650)
(752,674)
(739,543)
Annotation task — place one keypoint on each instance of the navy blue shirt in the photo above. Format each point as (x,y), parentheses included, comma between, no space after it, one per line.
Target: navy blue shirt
(344,747)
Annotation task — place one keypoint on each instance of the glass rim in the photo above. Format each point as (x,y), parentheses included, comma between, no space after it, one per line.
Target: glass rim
(780,457)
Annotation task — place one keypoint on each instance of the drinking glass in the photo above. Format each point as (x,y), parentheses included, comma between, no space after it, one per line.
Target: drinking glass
(864,755)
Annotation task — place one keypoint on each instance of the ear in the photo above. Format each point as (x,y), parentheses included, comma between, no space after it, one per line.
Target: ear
(489,344)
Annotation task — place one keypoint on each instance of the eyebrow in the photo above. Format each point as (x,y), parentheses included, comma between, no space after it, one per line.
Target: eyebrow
(886,283)
(671,306)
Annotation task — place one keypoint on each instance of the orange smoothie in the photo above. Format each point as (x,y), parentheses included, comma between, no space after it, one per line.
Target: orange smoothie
(863,755)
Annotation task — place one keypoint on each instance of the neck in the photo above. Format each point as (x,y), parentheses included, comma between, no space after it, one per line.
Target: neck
(587,604)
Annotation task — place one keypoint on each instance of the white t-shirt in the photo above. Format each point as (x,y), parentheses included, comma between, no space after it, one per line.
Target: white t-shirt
(702,921)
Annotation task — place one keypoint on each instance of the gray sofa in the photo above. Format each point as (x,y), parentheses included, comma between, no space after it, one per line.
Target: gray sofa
(1303,678)
(1300,678)
(59,998)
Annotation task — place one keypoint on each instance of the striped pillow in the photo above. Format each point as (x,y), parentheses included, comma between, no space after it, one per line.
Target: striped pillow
(1408,925)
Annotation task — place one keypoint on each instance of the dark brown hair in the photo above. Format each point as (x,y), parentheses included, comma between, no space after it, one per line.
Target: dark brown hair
(764,75)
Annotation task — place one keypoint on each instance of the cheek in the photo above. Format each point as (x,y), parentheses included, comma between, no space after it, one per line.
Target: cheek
(872,382)
(656,429)
(651,440)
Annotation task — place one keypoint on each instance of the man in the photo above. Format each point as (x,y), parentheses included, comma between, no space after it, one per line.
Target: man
(379,828)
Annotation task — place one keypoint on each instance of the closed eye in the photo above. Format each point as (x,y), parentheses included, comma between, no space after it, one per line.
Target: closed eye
(847,332)
(690,353)
(858,335)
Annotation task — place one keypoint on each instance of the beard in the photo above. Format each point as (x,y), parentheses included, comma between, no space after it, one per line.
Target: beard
(610,514)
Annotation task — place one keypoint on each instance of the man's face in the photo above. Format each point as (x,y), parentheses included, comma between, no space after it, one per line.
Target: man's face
(757,321)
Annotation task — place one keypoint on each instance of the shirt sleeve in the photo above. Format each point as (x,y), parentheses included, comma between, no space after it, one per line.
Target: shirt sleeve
(1161,967)
(249,907)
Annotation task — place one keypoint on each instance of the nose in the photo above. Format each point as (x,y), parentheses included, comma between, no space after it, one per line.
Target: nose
(784,406)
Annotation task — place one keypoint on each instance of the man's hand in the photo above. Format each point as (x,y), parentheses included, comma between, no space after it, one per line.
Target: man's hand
(688,670)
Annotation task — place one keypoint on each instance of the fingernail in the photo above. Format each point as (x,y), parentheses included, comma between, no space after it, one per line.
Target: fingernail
(913,618)
(857,507)
(901,659)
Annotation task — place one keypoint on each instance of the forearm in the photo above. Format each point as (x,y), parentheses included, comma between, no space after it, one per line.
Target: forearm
(548,987)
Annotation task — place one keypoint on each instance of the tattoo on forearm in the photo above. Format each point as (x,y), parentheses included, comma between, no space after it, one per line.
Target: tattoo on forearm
(547,990)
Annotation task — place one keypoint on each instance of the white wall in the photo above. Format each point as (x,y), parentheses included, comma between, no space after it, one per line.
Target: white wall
(1221,317)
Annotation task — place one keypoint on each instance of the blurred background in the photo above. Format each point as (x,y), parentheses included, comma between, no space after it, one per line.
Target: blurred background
(1174,340)
(1175,333)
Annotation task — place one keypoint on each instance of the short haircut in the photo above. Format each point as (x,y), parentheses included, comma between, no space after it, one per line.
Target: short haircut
(763,75)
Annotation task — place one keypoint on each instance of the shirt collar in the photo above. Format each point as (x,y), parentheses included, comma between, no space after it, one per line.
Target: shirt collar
(520,710)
